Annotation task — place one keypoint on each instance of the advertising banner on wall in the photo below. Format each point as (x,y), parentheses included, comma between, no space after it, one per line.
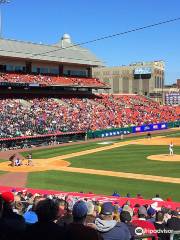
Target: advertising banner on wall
(150,127)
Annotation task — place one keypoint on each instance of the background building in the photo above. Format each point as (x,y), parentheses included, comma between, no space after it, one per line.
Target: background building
(171,94)
(178,83)
(141,77)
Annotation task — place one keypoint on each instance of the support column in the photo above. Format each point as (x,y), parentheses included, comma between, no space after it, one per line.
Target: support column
(89,72)
(61,70)
(28,67)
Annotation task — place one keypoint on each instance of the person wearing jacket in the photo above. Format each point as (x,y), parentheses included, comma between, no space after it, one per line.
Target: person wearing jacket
(108,228)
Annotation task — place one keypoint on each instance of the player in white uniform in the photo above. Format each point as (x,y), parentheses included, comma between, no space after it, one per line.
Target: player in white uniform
(171,149)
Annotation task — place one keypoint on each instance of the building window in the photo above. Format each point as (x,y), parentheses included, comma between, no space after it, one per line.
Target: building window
(80,73)
(157,82)
(105,73)
(160,85)
(53,71)
(34,69)
(43,70)
(9,68)
(18,69)
(115,72)
(12,68)
(96,73)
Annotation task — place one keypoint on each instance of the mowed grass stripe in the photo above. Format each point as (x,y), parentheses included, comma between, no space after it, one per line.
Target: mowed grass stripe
(176,134)
(130,158)
(61,150)
(65,181)
(54,152)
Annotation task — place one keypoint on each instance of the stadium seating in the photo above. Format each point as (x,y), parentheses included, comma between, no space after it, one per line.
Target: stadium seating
(50,80)
(28,214)
(45,115)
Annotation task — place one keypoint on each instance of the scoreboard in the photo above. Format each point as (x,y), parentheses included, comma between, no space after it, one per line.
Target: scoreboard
(172,98)
(143,70)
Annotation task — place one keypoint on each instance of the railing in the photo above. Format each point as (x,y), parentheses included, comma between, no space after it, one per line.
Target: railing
(175,235)
(146,236)
(40,140)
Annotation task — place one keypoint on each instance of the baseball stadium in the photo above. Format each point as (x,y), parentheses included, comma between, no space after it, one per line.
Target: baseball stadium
(81,141)
(62,134)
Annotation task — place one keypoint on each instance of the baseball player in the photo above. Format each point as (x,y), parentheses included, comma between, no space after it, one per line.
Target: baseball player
(171,149)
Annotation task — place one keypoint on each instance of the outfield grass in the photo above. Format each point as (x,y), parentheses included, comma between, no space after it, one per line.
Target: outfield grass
(3,160)
(61,150)
(76,182)
(130,158)
(175,134)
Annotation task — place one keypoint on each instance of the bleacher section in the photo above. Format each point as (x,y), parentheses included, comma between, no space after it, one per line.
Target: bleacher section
(33,116)
(50,80)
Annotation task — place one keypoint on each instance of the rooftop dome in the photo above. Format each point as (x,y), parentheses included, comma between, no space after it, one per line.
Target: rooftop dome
(66,37)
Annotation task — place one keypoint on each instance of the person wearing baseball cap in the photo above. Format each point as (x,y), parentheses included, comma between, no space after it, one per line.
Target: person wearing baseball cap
(13,223)
(109,228)
(77,229)
(8,197)
(143,223)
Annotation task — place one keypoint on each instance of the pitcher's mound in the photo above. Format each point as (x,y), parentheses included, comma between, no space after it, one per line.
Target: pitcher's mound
(165,157)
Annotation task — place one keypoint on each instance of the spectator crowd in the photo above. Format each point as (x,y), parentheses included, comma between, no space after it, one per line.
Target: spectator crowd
(50,80)
(24,215)
(47,115)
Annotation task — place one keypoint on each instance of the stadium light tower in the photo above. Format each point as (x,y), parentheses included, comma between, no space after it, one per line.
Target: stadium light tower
(1,3)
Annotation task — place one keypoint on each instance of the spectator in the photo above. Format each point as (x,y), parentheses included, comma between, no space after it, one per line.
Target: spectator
(40,116)
(30,215)
(174,222)
(143,223)
(161,225)
(139,196)
(128,195)
(12,224)
(151,214)
(77,230)
(126,218)
(116,194)
(67,218)
(91,214)
(109,228)
(41,212)
(47,211)
(157,198)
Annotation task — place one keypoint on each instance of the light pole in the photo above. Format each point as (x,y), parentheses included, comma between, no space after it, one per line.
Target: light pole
(1,3)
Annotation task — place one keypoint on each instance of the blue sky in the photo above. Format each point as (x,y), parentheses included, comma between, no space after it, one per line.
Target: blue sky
(47,20)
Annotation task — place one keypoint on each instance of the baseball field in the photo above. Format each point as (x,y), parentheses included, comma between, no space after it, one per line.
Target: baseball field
(133,165)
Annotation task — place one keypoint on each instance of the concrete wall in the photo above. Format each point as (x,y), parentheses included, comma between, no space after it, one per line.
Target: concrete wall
(122,79)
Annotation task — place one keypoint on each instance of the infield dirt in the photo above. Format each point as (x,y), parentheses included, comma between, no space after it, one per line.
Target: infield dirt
(59,163)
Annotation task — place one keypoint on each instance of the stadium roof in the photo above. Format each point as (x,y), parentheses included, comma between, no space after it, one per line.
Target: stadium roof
(62,52)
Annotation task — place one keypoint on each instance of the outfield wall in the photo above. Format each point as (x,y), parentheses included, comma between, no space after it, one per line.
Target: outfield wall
(134,129)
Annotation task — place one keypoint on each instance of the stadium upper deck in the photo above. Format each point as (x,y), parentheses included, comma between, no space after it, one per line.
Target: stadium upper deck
(62,64)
